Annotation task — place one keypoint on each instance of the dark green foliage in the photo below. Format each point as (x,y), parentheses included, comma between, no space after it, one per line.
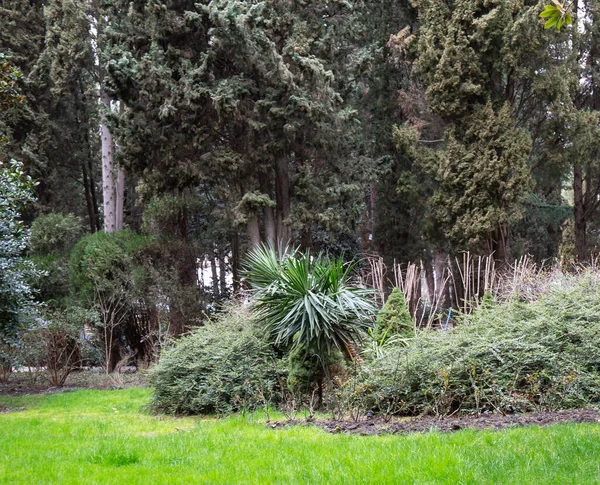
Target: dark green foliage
(111,274)
(52,238)
(10,95)
(482,177)
(225,366)
(308,369)
(393,319)
(111,263)
(241,98)
(508,357)
(471,70)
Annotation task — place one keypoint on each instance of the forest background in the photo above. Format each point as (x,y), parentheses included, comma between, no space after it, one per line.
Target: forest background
(163,140)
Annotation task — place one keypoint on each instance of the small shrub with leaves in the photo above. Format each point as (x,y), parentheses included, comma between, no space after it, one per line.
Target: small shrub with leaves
(508,357)
(226,366)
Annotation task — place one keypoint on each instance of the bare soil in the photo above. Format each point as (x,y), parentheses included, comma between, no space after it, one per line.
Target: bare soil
(425,424)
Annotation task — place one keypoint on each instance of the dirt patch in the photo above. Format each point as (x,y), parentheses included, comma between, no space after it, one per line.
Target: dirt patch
(10,410)
(448,424)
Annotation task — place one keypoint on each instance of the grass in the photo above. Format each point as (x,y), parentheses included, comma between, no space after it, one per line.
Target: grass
(106,437)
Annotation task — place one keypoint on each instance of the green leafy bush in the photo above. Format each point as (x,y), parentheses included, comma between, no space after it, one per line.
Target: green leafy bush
(503,358)
(225,366)
(16,272)
(52,237)
(112,274)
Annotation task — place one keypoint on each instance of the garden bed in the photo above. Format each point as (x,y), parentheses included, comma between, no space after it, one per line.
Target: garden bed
(448,424)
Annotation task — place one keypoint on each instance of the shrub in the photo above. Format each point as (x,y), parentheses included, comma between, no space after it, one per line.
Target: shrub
(112,275)
(504,357)
(309,306)
(393,318)
(17,306)
(52,237)
(55,233)
(226,366)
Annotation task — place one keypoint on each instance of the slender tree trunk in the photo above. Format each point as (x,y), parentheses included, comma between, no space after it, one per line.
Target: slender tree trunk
(120,199)
(108,167)
(120,187)
(88,198)
(430,279)
(282,195)
(253,231)
(269,225)
(235,262)
(215,277)
(222,275)
(93,194)
(440,263)
(579,213)
(268,215)
(500,245)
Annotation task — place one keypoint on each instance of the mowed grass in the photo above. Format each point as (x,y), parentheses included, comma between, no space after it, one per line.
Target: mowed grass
(106,437)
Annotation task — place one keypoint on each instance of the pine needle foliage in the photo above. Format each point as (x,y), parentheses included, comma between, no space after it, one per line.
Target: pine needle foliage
(306,300)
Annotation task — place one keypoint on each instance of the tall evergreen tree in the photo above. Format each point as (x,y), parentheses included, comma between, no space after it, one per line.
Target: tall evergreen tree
(473,83)
(54,133)
(242,97)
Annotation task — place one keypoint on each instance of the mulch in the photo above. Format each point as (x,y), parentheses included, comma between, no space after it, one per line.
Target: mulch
(425,424)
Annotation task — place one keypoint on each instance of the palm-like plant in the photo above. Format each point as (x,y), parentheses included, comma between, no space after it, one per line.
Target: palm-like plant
(308,301)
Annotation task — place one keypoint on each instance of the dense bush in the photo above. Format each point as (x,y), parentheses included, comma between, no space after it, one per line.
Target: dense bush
(503,358)
(393,318)
(52,237)
(112,275)
(222,367)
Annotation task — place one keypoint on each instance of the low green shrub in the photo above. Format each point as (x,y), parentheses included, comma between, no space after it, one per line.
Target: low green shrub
(225,366)
(504,357)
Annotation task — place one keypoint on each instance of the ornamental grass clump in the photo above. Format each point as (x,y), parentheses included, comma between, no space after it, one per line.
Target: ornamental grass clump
(508,357)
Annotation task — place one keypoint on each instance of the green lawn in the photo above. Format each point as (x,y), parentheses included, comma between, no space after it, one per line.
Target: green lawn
(105,437)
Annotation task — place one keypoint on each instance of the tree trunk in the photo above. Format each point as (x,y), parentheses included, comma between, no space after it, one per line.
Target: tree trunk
(222,275)
(430,279)
(253,232)
(88,198)
(94,195)
(235,262)
(114,354)
(108,173)
(501,246)
(214,277)
(268,215)
(282,196)
(579,213)
(120,199)
(120,187)
(440,264)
